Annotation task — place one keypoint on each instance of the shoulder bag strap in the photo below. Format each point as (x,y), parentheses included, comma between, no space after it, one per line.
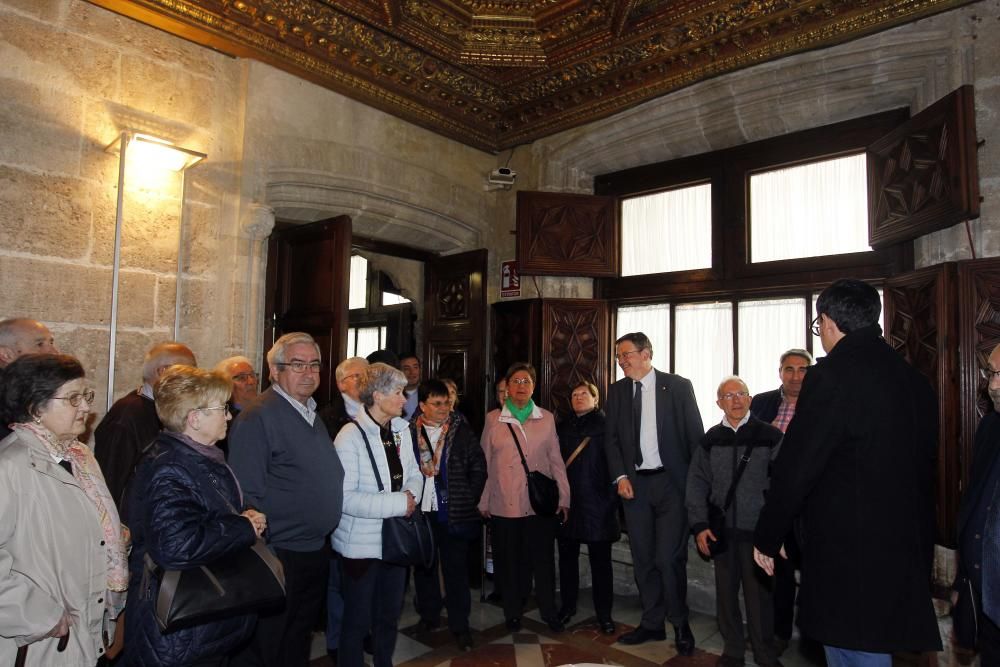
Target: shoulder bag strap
(576,452)
(371,456)
(744,460)
(524,461)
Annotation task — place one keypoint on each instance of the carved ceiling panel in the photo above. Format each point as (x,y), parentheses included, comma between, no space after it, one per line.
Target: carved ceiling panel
(497,73)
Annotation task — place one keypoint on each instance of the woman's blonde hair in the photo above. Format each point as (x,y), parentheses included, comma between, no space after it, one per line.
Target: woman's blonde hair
(182,389)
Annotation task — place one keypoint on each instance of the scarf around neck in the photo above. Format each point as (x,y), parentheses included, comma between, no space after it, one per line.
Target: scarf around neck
(430,457)
(521,414)
(87,474)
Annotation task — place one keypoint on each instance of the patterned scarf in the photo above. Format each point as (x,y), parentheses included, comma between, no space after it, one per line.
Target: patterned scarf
(430,459)
(87,474)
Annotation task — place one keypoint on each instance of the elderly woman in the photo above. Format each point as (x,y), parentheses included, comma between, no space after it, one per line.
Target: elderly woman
(184,512)
(372,588)
(523,542)
(594,519)
(63,568)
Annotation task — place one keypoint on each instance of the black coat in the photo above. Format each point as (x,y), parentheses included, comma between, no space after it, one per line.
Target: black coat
(857,463)
(181,511)
(594,514)
(465,470)
(765,405)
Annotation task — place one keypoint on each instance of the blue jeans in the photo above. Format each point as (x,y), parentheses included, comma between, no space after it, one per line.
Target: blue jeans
(842,657)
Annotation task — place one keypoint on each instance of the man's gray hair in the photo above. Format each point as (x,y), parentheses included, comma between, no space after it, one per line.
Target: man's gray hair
(276,355)
(731,378)
(166,354)
(797,352)
(223,366)
(341,371)
(382,378)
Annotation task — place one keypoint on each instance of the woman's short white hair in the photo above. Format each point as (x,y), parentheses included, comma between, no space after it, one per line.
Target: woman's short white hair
(382,378)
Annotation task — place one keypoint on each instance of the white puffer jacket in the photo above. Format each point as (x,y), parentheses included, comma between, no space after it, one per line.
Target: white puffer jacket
(359,534)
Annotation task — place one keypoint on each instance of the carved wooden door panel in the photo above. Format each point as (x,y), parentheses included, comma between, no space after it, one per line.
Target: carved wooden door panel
(923,176)
(567,235)
(575,334)
(515,335)
(455,327)
(307,289)
(921,323)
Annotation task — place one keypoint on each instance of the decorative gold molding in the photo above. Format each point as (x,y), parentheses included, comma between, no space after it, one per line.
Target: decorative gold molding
(498,73)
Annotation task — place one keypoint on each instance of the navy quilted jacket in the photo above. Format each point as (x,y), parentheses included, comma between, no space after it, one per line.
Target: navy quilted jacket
(181,510)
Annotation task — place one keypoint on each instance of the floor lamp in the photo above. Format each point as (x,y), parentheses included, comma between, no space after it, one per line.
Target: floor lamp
(146,152)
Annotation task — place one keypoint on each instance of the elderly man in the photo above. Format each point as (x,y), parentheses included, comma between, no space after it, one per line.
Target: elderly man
(131,423)
(410,365)
(777,408)
(653,426)
(343,408)
(240,371)
(857,464)
(20,336)
(288,469)
(978,535)
(730,471)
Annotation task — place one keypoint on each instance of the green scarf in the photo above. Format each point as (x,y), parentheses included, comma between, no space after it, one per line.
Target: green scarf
(521,414)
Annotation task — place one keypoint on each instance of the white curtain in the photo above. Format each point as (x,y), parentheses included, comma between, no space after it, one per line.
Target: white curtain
(359,282)
(767,328)
(667,231)
(703,345)
(368,341)
(809,210)
(654,321)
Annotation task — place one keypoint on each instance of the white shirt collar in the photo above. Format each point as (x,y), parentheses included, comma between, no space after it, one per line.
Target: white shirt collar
(746,418)
(648,380)
(308,411)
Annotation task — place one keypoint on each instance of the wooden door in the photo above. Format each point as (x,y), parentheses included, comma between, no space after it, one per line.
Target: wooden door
(308,283)
(454,327)
(575,339)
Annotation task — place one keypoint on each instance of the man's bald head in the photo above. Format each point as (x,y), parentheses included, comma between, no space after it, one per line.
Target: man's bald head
(162,355)
(20,336)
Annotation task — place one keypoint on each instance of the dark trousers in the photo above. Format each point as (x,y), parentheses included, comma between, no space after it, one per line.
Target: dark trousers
(521,548)
(599,554)
(373,600)
(285,637)
(989,641)
(784,589)
(735,567)
(452,560)
(658,536)
(334,605)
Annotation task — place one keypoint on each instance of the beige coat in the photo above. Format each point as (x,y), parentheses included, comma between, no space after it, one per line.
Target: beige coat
(51,558)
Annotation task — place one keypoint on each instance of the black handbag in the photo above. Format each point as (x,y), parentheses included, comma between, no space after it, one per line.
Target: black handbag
(406,540)
(543,493)
(239,583)
(717,515)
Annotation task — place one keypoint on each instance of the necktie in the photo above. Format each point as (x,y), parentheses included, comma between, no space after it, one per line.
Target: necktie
(637,421)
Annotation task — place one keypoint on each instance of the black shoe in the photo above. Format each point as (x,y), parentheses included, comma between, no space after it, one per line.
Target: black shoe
(425,626)
(684,639)
(493,597)
(514,624)
(607,626)
(566,615)
(332,654)
(641,635)
(555,625)
(464,641)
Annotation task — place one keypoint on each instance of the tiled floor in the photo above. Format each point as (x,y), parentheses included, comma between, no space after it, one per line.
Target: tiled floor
(536,646)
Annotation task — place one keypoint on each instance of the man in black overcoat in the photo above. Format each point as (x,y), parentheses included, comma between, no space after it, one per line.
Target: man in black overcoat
(653,425)
(857,464)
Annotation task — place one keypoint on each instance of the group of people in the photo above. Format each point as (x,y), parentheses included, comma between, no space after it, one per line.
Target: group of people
(831,473)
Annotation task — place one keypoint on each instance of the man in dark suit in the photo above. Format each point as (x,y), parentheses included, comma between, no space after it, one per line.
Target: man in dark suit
(777,408)
(978,518)
(653,426)
(857,463)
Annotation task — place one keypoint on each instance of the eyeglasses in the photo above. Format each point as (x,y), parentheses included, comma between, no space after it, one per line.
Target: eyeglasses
(243,378)
(521,381)
(991,374)
(439,404)
(75,399)
(814,327)
(224,408)
(352,376)
(302,366)
(730,395)
(625,355)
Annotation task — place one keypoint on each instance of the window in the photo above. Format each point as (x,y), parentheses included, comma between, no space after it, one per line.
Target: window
(359,283)
(667,231)
(654,321)
(390,299)
(767,328)
(703,348)
(809,210)
(362,341)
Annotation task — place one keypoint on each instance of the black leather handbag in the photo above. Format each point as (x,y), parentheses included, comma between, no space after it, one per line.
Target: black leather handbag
(239,583)
(543,493)
(406,540)
(717,515)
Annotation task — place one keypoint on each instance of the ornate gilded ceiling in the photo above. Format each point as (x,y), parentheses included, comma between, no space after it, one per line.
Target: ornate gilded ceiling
(497,73)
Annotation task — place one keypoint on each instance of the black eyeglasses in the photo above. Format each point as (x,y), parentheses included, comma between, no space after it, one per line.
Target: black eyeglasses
(814,327)
(302,366)
(75,399)
(991,374)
